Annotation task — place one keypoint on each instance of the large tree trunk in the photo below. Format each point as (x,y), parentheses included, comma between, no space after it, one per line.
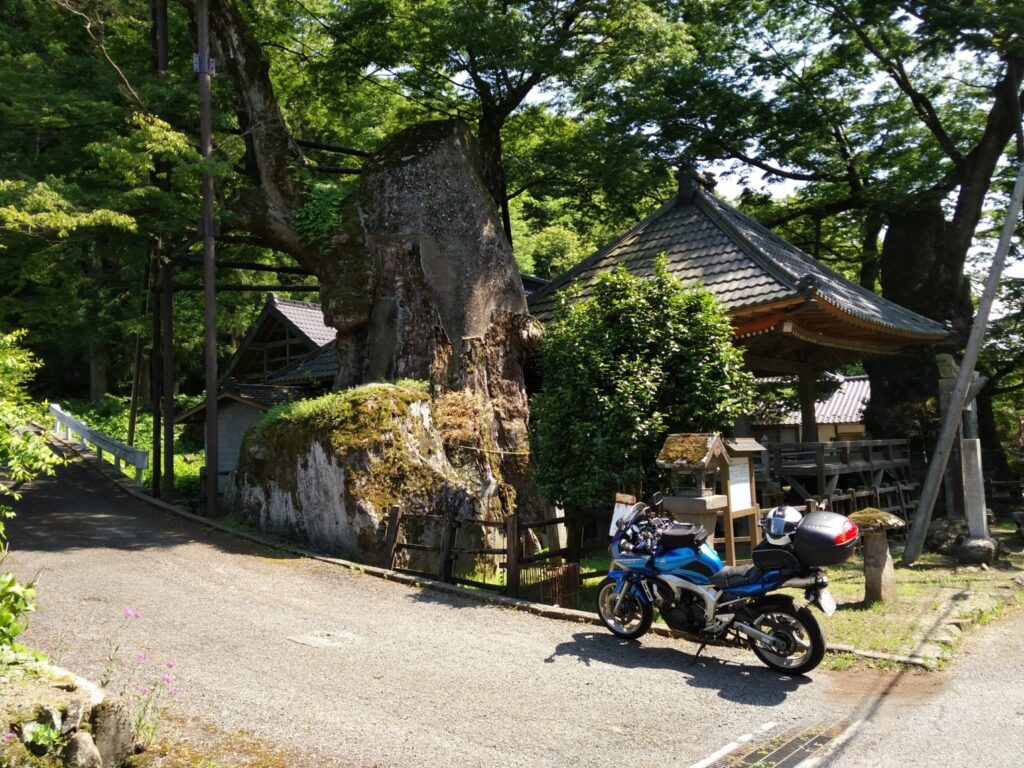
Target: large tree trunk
(418,277)
(922,268)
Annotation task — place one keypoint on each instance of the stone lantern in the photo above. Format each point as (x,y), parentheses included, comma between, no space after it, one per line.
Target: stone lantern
(710,480)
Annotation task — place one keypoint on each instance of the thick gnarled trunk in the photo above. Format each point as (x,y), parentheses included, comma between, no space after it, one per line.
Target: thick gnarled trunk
(418,276)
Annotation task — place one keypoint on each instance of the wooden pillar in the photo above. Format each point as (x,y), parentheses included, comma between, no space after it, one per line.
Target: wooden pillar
(167,376)
(808,420)
(391,538)
(154,383)
(512,556)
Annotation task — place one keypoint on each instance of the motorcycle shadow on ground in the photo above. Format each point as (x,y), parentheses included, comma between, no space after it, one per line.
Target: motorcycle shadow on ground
(734,681)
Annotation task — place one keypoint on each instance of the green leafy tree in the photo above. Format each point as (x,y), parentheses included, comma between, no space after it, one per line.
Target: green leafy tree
(892,120)
(24,455)
(482,60)
(639,358)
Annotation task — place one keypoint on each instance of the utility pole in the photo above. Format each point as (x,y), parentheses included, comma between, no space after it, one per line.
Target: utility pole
(204,69)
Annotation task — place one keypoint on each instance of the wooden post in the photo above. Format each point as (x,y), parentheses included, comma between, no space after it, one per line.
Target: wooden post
(444,565)
(209,265)
(391,537)
(574,536)
(167,374)
(808,420)
(512,555)
(154,383)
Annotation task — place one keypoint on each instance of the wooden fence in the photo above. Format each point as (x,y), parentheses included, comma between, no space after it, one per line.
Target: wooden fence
(69,425)
(515,563)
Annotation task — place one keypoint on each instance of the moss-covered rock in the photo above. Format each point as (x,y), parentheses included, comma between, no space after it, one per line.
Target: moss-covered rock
(325,471)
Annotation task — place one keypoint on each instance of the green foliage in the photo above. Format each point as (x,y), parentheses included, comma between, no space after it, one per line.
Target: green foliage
(24,455)
(318,218)
(639,358)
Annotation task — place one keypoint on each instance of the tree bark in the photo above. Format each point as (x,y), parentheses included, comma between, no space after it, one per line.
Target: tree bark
(417,275)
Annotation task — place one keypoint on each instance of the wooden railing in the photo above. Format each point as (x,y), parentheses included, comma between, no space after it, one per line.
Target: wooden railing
(869,460)
(69,425)
(447,550)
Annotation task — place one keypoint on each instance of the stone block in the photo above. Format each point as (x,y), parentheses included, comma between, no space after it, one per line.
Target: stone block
(112,732)
(977,551)
(81,752)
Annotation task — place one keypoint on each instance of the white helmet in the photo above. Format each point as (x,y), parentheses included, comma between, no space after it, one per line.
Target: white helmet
(779,525)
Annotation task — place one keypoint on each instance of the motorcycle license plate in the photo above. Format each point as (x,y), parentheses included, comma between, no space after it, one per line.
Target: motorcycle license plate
(826,602)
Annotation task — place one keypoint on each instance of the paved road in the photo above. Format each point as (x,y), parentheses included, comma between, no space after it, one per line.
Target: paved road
(972,714)
(408,677)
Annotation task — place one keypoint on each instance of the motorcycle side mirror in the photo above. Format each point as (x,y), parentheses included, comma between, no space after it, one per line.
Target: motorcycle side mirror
(656,499)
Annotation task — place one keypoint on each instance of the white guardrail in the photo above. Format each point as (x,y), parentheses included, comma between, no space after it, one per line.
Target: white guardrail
(103,444)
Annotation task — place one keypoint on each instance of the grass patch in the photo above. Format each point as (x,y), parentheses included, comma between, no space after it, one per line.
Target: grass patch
(930,594)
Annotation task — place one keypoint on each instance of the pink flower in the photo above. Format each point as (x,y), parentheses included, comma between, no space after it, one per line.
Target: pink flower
(142,690)
(173,693)
(8,736)
(131,613)
(169,664)
(167,679)
(142,656)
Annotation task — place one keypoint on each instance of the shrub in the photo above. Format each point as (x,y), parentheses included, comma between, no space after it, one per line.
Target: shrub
(23,456)
(640,357)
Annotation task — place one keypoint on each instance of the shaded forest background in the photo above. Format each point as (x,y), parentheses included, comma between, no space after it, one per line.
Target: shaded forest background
(877,136)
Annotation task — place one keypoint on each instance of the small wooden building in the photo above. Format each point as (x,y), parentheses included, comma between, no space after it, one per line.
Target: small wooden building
(840,416)
(792,314)
(239,407)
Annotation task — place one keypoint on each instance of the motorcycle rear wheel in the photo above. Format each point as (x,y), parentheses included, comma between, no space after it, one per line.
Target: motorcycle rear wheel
(633,620)
(804,642)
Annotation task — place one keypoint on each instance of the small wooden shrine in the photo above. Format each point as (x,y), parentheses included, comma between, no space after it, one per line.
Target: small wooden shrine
(713,479)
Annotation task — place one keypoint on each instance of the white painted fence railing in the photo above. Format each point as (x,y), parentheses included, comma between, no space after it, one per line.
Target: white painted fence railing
(103,444)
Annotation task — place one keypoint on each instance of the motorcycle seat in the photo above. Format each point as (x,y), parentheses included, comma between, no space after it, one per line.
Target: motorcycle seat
(736,576)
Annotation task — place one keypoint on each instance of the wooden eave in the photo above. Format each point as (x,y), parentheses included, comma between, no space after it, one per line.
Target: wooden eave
(195,410)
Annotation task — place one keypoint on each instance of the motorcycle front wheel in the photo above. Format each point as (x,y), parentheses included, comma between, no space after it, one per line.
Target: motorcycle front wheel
(634,617)
(802,642)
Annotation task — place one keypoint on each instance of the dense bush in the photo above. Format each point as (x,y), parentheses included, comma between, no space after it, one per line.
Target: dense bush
(639,358)
(23,456)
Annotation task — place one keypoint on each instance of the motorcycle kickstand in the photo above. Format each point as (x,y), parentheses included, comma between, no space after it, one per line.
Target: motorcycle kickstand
(697,654)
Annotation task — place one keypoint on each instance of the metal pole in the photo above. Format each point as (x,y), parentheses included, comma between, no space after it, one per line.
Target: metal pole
(167,311)
(964,379)
(154,385)
(209,266)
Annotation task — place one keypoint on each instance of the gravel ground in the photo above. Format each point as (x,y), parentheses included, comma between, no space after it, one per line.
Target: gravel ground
(342,669)
(971,714)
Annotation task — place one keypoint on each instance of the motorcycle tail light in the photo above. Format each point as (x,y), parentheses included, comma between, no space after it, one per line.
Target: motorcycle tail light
(847,533)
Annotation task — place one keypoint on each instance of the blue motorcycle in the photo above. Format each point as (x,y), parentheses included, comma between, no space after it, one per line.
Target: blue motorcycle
(657,563)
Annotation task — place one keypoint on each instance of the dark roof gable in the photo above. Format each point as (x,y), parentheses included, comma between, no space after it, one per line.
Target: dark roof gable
(741,262)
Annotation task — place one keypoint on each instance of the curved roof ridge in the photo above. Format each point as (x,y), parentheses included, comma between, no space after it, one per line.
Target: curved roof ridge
(557,283)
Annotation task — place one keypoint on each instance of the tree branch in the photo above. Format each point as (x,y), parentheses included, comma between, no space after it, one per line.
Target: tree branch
(897,72)
(87,23)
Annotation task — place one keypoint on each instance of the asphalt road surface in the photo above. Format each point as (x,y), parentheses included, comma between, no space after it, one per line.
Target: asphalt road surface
(336,668)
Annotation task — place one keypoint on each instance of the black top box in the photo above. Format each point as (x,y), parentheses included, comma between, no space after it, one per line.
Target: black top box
(815,539)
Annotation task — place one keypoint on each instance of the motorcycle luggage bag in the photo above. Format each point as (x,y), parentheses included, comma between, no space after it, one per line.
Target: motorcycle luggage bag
(815,540)
(683,535)
(771,557)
